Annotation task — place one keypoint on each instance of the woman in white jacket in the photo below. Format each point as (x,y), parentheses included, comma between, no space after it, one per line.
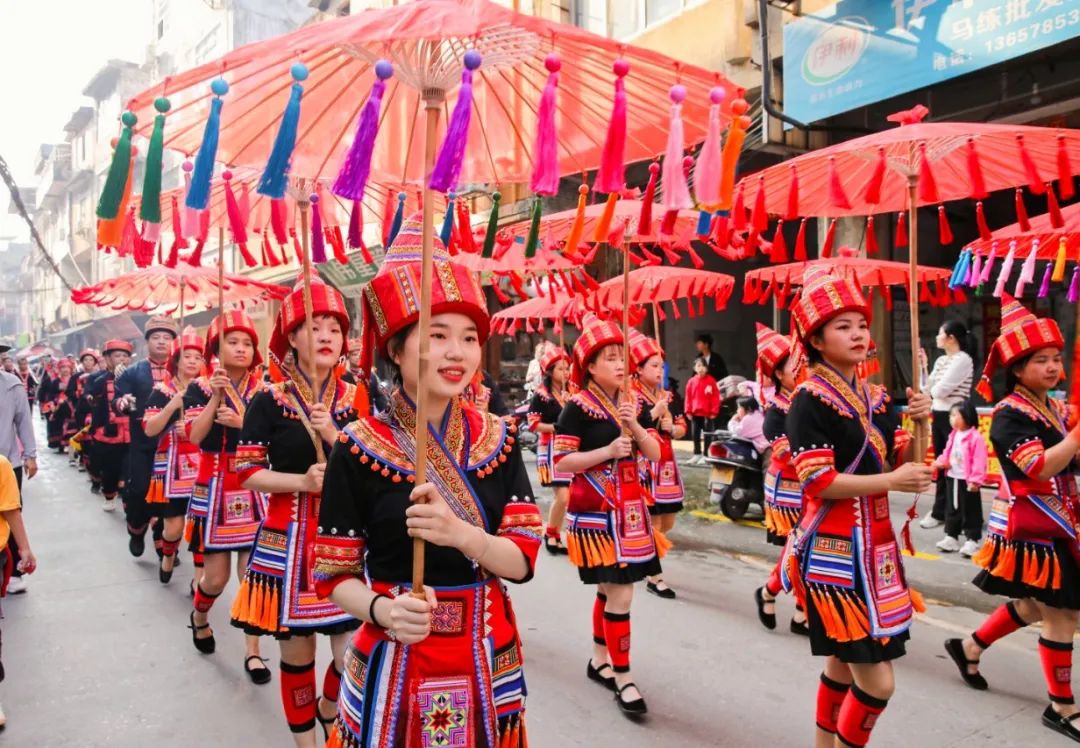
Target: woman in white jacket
(949,383)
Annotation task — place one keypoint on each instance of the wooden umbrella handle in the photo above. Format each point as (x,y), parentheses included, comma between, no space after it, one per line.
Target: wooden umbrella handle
(920,440)
(309,307)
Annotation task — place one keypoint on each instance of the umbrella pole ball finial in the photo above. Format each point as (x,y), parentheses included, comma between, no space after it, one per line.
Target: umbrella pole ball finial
(552,63)
(621,67)
(717,95)
(473,59)
(128,119)
(219,87)
(384,70)
(677,93)
(299,72)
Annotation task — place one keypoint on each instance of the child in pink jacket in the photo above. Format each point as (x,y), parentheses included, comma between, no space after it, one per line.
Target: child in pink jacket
(964,461)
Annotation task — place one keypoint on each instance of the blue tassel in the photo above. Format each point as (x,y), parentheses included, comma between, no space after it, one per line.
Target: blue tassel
(198,196)
(448,221)
(399,216)
(960,270)
(275,177)
(704,221)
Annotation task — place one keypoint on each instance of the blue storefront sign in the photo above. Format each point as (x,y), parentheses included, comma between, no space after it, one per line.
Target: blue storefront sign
(857,52)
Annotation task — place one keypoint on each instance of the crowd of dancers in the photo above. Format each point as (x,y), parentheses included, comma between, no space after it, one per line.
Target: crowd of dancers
(286,464)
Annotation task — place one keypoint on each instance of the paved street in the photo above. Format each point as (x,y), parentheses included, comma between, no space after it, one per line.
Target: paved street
(97,654)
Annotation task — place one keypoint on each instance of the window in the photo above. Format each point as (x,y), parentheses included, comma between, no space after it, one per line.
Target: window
(621,19)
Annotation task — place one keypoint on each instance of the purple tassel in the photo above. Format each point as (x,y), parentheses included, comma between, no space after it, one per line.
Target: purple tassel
(545,176)
(318,242)
(1044,287)
(353,177)
(1074,286)
(452,156)
(356,225)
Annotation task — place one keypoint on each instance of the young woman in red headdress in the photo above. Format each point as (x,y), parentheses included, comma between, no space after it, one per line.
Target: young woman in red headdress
(110,431)
(664,478)
(90,361)
(1032,551)
(444,668)
(779,361)
(57,404)
(277,456)
(609,532)
(176,460)
(843,559)
(223,517)
(547,402)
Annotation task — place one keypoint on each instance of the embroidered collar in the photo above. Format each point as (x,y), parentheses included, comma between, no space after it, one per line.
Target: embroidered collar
(562,398)
(291,396)
(1051,413)
(596,403)
(781,400)
(829,386)
(651,396)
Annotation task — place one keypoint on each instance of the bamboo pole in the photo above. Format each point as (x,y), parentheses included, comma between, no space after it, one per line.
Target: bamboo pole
(626,322)
(432,104)
(309,307)
(913,306)
(221,294)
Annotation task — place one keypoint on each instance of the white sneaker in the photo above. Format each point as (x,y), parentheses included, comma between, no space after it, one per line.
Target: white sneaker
(17,586)
(948,544)
(929,523)
(969,548)
(109,505)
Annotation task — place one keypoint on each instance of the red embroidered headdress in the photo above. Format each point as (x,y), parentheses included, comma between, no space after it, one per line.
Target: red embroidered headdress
(392,297)
(596,334)
(89,352)
(234,320)
(553,354)
(642,348)
(117,345)
(160,323)
(1022,333)
(773,348)
(823,297)
(188,340)
(325,299)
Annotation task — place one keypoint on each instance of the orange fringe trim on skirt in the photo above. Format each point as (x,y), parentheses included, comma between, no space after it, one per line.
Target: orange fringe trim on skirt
(780,521)
(1039,565)
(587,549)
(511,735)
(663,543)
(257,604)
(189,529)
(842,613)
(156,493)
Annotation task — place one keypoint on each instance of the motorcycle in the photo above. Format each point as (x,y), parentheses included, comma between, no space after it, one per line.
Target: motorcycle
(526,437)
(737,476)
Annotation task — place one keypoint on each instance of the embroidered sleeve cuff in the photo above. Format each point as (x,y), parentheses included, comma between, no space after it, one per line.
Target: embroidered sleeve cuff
(564,445)
(336,558)
(1029,456)
(533,421)
(250,459)
(816,468)
(781,449)
(521,523)
(148,414)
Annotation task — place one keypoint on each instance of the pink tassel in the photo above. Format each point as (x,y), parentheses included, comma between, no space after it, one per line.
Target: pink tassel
(268,257)
(709,164)
(545,176)
(1027,270)
(1066,189)
(779,252)
(1044,287)
(245,203)
(980,220)
(1021,211)
(945,235)
(610,178)
(676,192)
(1035,182)
(189,219)
(695,258)
(236,221)
(644,225)
(151,232)
(800,243)
(667,224)
(988,268)
(1006,270)
(928,191)
(871,237)
(830,236)
(973,276)
(759,219)
(452,155)
(975,175)
(353,176)
(318,243)
(900,240)
(1056,219)
(837,197)
(793,195)
(877,178)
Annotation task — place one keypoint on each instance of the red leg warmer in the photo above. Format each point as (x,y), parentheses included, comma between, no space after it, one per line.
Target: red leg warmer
(298,695)
(1057,669)
(197,560)
(830,695)
(598,619)
(203,600)
(551,532)
(331,684)
(858,714)
(1001,623)
(617,635)
(168,547)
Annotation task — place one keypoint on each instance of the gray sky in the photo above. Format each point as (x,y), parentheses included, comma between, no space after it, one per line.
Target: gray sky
(50,50)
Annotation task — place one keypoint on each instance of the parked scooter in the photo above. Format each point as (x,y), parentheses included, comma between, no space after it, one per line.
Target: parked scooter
(526,437)
(737,478)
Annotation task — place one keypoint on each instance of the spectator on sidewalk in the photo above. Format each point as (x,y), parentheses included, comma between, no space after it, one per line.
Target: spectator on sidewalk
(702,405)
(748,423)
(963,466)
(18,446)
(713,362)
(12,530)
(29,381)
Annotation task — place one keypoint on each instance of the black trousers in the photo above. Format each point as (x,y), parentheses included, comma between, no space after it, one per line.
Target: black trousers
(939,436)
(12,545)
(110,461)
(702,429)
(140,469)
(963,510)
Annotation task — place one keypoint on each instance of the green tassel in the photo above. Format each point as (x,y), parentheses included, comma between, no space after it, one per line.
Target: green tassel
(493,225)
(115,181)
(534,229)
(150,205)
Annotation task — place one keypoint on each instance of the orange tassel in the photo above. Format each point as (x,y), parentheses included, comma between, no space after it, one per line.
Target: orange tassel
(984,554)
(573,239)
(663,545)
(603,228)
(335,739)
(917,600)
(1006,565)
(857,624)
(240,609)
(1044,575)
(189,529)
(1055,583)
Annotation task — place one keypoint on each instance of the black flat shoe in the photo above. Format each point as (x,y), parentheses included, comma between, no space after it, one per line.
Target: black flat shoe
(1064,725)
(633,708)
(555,546)
(800,628)
(326,723)
(768,620)
(137,545)
(260,676)
(955,648)
(596,674)
(206,645)
(165,576)
(665,592)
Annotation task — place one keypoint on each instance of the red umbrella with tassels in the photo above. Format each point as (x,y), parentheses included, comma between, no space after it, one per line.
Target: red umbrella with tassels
(654,286)
(914,165)
(534,313)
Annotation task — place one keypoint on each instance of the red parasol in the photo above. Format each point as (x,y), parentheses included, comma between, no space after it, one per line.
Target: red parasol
(1039,229)
(656,285)
(534,312)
